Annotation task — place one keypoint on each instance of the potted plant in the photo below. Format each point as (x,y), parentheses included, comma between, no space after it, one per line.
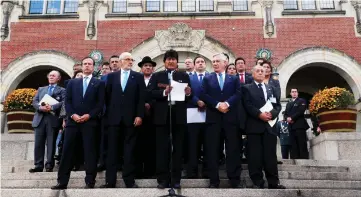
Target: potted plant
(19,110)
(335,110)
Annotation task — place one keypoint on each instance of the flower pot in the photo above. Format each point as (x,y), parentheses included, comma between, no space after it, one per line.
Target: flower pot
(20,121)
(338,120)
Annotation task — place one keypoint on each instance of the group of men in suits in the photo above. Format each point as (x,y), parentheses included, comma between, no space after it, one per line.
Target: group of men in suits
(136,109)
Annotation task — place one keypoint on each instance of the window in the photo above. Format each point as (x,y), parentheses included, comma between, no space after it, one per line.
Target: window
(327,4)
(308,4)
(152,6)
(206,5)
(53,6)
(290,5)
(119,6)
(188,5)
(240,5)
(170,5)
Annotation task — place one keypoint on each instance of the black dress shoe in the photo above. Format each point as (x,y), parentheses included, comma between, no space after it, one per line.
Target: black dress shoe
(33,170)
(107,185)
(100,167)
(89,186)
(133,186)
(162,185)
(236,186)
(279,162)
(279,186)
(213,186)
(59,187)
(76,168)
(49,169)
(176,185)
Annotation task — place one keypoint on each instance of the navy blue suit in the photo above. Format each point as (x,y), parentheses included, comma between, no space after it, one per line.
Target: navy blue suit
(92,103)
(122,107)
(218,122)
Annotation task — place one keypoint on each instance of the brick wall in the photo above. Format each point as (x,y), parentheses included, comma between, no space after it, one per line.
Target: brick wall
(115,37)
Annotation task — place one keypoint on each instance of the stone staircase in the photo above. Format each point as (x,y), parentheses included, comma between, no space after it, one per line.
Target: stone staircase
(303,178)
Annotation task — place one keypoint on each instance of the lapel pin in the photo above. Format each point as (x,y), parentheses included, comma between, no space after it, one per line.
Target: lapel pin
(92,84)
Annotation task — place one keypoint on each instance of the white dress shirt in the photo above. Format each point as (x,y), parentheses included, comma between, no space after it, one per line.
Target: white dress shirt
(264,90)
(203,73)
(147,79)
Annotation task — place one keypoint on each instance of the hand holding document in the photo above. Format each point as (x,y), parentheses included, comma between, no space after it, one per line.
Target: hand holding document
(177,93)
(267,108)
(195,116)
(47,99)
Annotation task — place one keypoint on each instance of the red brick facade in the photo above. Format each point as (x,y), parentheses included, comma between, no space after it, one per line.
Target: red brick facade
(242,36)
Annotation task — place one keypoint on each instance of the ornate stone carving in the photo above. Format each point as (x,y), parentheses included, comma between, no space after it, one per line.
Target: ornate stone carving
(92,5)
(269,27)
(357,6)
(7,7)
(180,35)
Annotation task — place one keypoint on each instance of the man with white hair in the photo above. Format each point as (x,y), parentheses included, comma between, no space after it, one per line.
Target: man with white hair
(125,99)
(221,94)
(46,122)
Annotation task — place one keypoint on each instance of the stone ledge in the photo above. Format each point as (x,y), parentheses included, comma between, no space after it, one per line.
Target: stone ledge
(17,137)
(158,14)
(49,16)
(313,12)
(336,136)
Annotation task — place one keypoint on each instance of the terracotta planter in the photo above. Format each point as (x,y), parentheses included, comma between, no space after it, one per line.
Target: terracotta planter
(338,120)
(20,121)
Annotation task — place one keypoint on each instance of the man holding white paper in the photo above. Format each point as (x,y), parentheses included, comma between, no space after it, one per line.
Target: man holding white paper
(47,102)
(261,108)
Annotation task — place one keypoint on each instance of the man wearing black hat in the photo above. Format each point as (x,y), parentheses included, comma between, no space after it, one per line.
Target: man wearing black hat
(145,148)
(159,87)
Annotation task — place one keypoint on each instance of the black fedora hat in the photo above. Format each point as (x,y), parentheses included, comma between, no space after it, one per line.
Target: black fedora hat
(147,59)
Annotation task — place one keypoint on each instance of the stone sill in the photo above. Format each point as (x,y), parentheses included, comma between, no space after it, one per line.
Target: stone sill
(336,136)
(313,12)
(157,14)
(48,16)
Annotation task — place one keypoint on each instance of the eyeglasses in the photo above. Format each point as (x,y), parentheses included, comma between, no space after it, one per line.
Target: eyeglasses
(129,60)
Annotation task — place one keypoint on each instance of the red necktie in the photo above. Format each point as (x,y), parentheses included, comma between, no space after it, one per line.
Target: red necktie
(242,78)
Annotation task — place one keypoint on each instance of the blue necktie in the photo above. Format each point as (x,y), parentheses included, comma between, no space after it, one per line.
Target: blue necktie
(50,90)
(200,78)
(221,81)
(85,85)
(124,80)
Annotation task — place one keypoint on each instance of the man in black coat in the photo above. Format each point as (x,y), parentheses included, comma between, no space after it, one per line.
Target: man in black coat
(84,103)
(244,77)
(160,88)
(295,110)
(261,138)
(124,99)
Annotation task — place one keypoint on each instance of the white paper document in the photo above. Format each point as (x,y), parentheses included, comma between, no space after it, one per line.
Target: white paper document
(195,116)
(47,99)
(177,93)
(267,108)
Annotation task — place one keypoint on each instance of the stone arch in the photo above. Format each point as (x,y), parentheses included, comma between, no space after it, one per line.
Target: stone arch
(194,41)
(21,67)
(338,61)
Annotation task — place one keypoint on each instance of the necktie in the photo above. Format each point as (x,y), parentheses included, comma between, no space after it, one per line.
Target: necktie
(85,85)
(200,77)
(261,91)
(50,90)
(221,81)
(190,74)
(242,78)
(124,80)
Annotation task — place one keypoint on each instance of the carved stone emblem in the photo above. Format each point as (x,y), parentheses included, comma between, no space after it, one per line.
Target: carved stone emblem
(180,35)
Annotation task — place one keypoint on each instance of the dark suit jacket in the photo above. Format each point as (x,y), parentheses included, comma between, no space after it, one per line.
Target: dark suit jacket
(157,86)
(248,78)
(124,106)
(91,104)
(196,90)
(276,85)
(296,110)
(212,95)
(253,101)
(58,94)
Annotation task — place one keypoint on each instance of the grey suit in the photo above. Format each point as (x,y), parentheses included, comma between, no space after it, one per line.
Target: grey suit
(46,126)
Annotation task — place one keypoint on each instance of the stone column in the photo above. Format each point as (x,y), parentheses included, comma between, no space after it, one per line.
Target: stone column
(7,7)
(92,6)
(269,27)
(357,6)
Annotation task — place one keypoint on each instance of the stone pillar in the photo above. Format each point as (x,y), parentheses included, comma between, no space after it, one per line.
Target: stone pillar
(91,29)
(269,27)
(7,7)
(357,6)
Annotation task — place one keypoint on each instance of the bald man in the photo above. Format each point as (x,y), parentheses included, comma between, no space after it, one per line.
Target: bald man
(46,122)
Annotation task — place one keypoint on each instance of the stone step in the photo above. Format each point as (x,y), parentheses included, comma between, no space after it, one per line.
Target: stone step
(301,175)
(281,167)
(187,183)
(188,192)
